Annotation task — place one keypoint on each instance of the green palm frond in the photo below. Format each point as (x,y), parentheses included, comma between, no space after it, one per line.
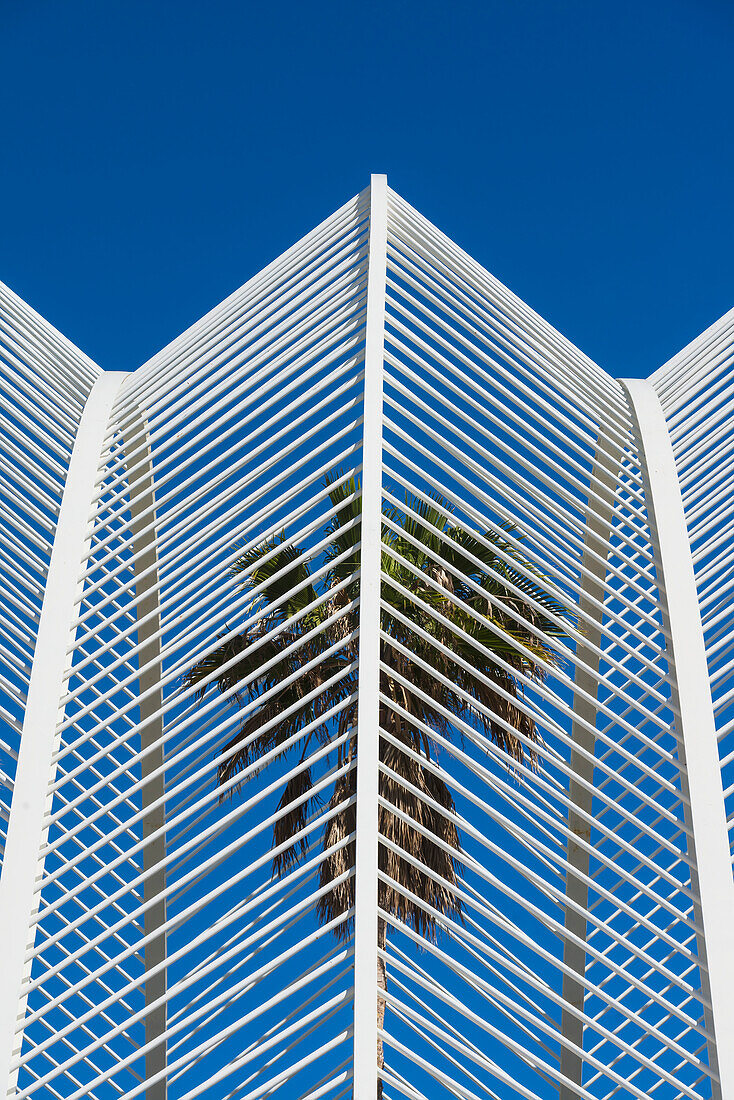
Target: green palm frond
(432,518)
(344,541)
(211,667)
(263,562)
(463,618)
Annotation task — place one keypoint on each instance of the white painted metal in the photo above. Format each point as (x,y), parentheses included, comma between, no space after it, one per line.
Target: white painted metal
(136,438)
(700,769)
(368,724)
(26,832)
(581,785)
(164,953)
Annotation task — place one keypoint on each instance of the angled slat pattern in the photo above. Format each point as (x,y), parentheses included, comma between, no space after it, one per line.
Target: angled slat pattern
(44,383)
(695,390)
(276,374)
(491,409)
(528,919)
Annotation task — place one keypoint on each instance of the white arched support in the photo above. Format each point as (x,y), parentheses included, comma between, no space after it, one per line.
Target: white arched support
(605,477)
(22,865)
(691,698)
(143,527)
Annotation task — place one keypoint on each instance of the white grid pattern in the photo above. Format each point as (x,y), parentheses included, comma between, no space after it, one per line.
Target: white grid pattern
(156,952)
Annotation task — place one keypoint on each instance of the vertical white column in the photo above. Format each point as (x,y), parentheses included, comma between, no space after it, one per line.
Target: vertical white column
(605,473)
(368,741)
(22,866)
(708,846)
(143,528)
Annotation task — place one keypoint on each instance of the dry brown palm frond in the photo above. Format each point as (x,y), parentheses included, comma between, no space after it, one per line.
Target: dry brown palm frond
(294,806)
(430,813)
(468,624)
(340,862)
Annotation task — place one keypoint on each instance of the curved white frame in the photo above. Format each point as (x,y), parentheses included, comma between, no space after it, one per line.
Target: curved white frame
(143,528)
(691,693)
(414,310)
(586,672)
(34,773)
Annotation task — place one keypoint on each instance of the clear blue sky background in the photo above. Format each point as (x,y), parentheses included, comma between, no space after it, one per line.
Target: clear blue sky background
(154,155)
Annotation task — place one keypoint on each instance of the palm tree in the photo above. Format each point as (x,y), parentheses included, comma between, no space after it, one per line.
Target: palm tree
(447,593)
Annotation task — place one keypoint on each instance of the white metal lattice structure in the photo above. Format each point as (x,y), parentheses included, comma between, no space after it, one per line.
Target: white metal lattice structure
(452,533)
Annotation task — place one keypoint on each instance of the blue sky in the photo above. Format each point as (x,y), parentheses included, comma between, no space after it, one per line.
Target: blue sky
(154,156)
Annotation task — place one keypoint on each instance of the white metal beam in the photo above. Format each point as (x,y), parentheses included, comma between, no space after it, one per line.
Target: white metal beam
(691,691)
(30,805)
(368,751)
(375,348)
(586,685)
(143,528)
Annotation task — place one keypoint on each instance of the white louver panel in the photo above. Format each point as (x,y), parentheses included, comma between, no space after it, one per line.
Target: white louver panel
(359,644)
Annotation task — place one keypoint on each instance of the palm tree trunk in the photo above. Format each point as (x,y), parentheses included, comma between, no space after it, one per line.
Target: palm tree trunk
(382,988)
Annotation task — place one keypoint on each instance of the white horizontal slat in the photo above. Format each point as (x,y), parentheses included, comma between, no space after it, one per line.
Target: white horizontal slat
(254,418)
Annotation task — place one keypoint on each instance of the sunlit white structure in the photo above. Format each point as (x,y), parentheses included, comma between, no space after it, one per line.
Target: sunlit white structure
(147,950)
